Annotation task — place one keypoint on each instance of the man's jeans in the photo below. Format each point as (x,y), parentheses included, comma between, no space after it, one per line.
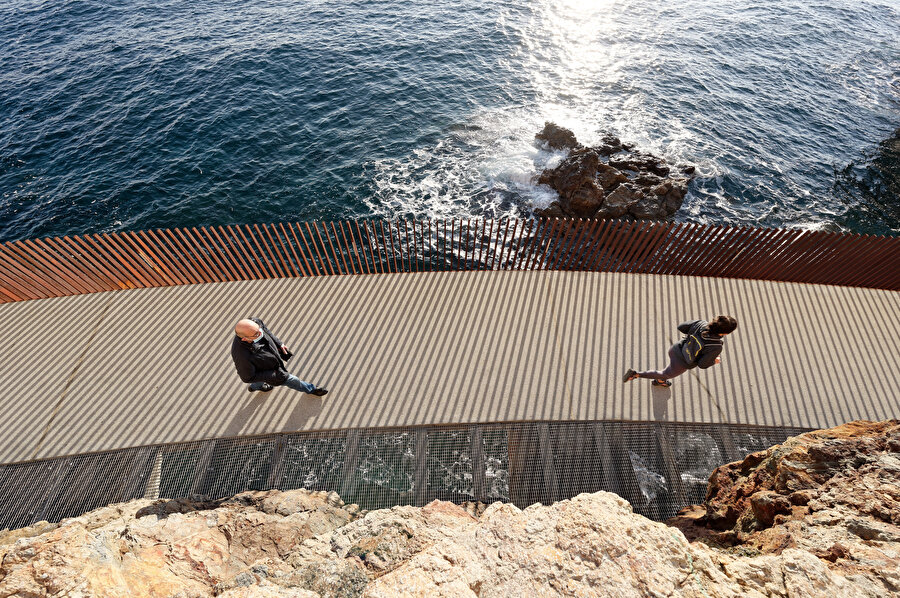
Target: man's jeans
(292,382)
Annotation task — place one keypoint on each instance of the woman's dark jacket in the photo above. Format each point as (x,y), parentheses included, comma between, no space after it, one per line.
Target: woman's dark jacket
(260,361)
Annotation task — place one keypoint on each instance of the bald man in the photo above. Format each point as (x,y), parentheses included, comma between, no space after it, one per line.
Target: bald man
(259,358)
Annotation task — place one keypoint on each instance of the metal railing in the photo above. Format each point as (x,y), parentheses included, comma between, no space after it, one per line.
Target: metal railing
(659,467)
(60,266)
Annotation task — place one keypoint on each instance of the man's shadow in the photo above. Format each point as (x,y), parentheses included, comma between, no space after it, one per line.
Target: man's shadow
(305,407)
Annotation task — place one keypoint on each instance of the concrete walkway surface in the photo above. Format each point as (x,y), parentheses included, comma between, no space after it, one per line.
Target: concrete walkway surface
(128,368)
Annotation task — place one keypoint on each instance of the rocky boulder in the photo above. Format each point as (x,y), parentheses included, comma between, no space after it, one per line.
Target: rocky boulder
(833,493)
(610,180)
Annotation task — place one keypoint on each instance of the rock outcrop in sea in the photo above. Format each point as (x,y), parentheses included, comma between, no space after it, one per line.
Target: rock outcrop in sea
(610,180)
(816,516)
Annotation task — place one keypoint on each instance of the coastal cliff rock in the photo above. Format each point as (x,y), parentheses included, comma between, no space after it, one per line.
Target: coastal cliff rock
(816,516)
(609,180)
(832,493)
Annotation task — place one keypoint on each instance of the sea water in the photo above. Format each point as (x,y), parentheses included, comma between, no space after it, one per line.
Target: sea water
(134,114)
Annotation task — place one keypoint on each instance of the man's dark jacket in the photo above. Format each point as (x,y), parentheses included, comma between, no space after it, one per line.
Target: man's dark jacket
(260,361)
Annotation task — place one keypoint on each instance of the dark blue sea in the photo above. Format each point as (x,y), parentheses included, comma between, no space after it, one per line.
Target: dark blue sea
(126,115)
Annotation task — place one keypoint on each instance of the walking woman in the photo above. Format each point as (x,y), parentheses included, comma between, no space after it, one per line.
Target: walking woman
(700,347)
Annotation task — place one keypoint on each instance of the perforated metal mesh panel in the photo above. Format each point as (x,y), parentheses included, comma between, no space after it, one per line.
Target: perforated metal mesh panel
(658,467)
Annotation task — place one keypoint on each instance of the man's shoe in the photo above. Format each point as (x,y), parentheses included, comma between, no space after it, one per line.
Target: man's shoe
(629,376)
(264,387)
(663,383)
(319,392)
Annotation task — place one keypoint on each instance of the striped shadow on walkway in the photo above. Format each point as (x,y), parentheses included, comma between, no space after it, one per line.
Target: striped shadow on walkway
(148,366)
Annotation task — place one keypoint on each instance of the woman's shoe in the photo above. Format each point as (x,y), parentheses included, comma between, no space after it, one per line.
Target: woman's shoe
(663,383)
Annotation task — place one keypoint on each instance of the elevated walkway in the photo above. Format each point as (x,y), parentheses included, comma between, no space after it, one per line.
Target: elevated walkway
(475,360)
(135,367)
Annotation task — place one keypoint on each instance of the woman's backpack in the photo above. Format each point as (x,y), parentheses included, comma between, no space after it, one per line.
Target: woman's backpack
(695,341)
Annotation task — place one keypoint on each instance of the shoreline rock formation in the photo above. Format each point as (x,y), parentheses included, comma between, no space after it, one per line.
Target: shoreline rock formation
(610,180)
(815,516)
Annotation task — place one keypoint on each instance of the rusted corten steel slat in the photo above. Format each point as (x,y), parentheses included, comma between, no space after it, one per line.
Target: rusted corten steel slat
(326,263)
(332,245)
(71,264)
(517,260)
(760,242)
(167,243)
(580,258)
(392,256)
(884,263)
(493,258)
(796,248)
(550,244)
(658,261)
(34,269)
(774,248)
(795,252)
(356,241)
(12,283)
(220,251)
(480,241)
(565,239)
(569,231)
(25,275)
(618,241)
(225,238)
(280,255)
(79,269)
(502,243)
(202,255)
(693,248)
(306,251)
(43,254)
(864,260)
(812,261)
(290,239)
(192,255)
(144,266)
(597,250)
(245,248)
(737,247)
(98,271)
(581,229)
(102,260)
(262,257)
(662,260)
(724,235)
(657,233)
(856,265)
(39,267)
(133,270)
(148,261)
(572,257)
(637,240)
(677,265)
(840,260)
(367,258)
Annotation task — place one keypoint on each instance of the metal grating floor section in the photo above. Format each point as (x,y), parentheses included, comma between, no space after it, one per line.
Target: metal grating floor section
(659,467)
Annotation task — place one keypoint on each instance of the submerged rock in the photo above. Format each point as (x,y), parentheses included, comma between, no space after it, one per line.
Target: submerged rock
(610,180)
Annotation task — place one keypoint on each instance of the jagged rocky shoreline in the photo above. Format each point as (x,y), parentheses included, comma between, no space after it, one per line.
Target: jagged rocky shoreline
(816,516)
(610,180)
